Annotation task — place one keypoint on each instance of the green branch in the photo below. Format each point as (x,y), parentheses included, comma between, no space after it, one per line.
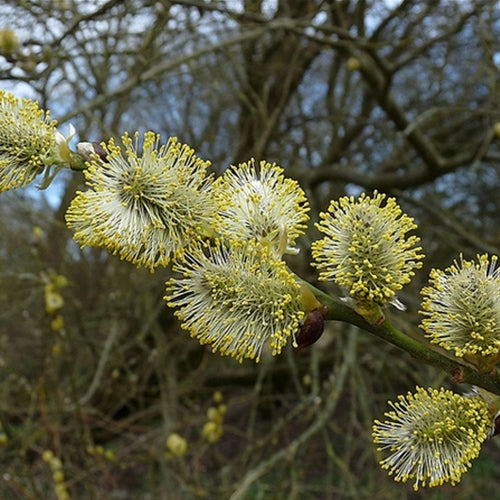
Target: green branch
(459,370)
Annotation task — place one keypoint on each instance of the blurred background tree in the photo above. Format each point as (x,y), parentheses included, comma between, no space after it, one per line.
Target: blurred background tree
(400,96)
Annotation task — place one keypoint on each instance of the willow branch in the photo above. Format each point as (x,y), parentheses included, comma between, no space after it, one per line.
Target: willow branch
(460,370)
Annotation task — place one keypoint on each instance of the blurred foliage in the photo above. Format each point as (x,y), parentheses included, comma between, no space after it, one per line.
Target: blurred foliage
(347,96)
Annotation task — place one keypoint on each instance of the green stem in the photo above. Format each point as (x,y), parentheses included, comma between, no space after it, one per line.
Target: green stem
(461,371)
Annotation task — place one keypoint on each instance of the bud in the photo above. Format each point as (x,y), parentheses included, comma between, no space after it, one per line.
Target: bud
(311,330)
(176,445)
(89,149)
(353,64)
(9,42)
(497,129)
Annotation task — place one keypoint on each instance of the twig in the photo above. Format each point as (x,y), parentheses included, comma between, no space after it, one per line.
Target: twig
(421,349)
(113,334)
(331,399)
